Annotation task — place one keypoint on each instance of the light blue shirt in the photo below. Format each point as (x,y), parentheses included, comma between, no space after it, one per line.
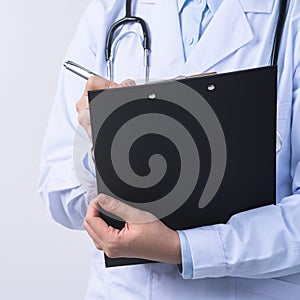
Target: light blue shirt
(195,16)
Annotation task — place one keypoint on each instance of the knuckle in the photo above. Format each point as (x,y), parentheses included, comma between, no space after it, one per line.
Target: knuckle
(78,106)
(110,84)
(84,224)
(112,249)
(86,221)
(112,253)
(81,118)
(91,82)
(113,205)
(81,106)
(98,246)
(95,82)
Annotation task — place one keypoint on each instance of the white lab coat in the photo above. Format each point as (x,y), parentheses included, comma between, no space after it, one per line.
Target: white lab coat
(257,254)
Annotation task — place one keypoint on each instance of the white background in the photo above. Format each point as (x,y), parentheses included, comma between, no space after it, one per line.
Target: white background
(38,258)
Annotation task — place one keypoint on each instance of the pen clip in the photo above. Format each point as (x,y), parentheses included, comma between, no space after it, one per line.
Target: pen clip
(79,70)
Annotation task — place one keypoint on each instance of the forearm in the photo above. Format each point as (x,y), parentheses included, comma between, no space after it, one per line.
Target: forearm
(260,243)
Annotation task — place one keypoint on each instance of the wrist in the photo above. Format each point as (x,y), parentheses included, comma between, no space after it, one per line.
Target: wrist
(175,246)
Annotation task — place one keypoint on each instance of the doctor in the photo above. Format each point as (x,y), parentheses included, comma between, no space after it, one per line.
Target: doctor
(256,255)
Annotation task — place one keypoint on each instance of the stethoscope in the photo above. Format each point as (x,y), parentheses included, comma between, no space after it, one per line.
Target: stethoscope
(129,18)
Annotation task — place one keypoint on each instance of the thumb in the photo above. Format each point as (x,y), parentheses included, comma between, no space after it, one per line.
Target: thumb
(124,211)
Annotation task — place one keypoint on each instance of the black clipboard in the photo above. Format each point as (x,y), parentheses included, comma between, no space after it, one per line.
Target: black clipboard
(242,104)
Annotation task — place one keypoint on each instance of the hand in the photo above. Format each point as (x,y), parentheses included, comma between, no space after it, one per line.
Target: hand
(144,236)
(82,106)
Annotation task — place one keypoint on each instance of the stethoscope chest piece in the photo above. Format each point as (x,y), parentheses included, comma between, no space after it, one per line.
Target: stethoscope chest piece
(278,142)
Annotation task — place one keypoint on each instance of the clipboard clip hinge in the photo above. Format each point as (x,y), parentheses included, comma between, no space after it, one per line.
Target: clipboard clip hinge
(195,75)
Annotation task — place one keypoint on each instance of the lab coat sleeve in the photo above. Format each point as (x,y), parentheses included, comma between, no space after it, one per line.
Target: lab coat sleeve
(67,179)
(259,243)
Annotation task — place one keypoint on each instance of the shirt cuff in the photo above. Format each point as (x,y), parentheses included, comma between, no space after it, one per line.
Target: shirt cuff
(89,164)
(207,253)
(186,269)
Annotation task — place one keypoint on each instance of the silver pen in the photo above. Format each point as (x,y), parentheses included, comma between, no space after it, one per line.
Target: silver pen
(79,70)
(86,74)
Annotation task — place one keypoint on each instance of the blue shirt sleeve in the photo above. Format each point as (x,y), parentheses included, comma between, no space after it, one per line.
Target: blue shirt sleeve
(186,269)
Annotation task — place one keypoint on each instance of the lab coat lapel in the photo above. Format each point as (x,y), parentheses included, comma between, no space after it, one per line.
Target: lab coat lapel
(167,56)
(228,31)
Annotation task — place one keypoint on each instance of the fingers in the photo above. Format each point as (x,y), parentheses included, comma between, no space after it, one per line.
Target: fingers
(96,239)
(94,225)
(92,214)
(124,211)
(105,237)
(98,83)
(82,106)
(93,209)
(134,240)
(94,83)
(84,120)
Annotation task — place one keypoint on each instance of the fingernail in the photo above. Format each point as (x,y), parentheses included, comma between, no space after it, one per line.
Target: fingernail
(103,199)
(128,82)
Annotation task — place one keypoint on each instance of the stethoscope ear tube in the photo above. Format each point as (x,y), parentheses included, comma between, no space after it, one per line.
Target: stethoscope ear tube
(129,18)
(284,4)
(279,29)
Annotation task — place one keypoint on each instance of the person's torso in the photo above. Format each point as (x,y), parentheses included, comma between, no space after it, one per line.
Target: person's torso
(234,40)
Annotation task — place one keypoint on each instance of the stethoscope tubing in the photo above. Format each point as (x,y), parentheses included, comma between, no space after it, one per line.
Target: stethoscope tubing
(130,19)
